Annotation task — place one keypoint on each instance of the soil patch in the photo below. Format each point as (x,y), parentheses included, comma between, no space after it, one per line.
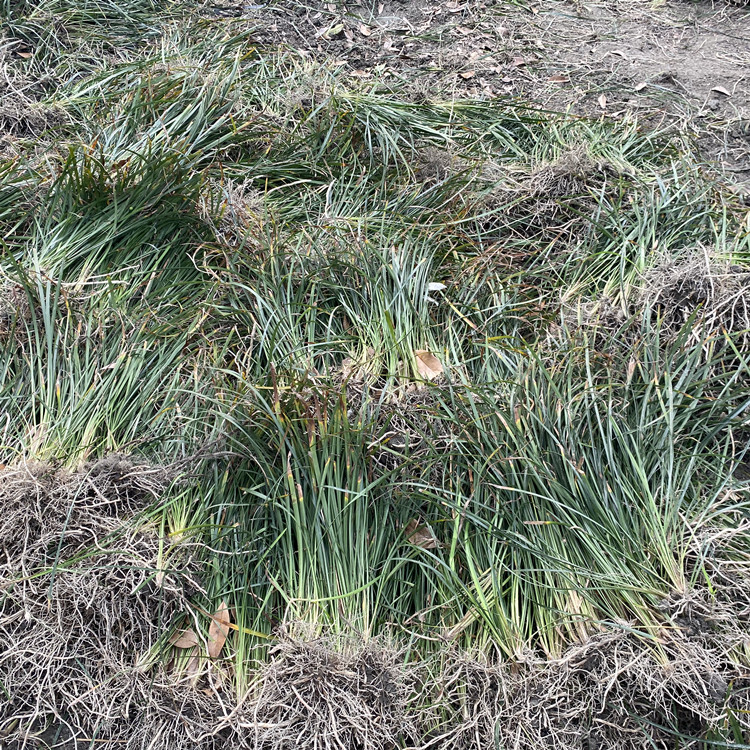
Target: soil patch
(683,65)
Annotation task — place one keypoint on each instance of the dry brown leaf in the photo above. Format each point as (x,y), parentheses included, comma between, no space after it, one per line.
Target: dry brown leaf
(428,365)
(25,55)
(721,90)
(365,30)
(518,62)
(631,369)
(602,101)
(218,630)
(642,85)
(560,78)
(468,74)
(420,536)
(184,639)
(193,667)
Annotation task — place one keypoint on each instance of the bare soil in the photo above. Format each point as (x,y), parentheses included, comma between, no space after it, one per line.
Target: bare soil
(682,65)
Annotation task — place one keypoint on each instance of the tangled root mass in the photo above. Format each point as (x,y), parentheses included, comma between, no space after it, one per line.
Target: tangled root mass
(75,626)
(81,636)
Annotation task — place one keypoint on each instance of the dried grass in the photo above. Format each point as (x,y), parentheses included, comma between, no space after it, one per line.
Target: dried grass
(714,292)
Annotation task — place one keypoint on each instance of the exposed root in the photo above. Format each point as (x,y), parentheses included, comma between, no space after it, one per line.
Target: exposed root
(23,119)
(614,691)
(313,695)
(716,293)
(15,312)
(233,210)
(603,321)
(83,610)
(435,165)
(21,114)
(46,513)
(558,201)
(82,634)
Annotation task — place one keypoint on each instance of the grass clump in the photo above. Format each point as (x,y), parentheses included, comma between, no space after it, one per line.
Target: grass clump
(428,419)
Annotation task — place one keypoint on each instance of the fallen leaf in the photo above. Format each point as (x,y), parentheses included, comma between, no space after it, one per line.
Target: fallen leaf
(26,55)
(218,630)
(518,62)
(631,369)
(602,101)
(721,90)
(365,30)
(193,667)
(468,74)
(3,467)
(559,79)
(642,85)
(381,8)
(428,365)
(435,286)
(184,639)
(420,536)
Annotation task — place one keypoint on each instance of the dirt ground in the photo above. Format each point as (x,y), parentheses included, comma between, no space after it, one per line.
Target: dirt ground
(677,64)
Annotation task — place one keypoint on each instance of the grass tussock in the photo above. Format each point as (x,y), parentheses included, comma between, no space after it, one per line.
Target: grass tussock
(435,419)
